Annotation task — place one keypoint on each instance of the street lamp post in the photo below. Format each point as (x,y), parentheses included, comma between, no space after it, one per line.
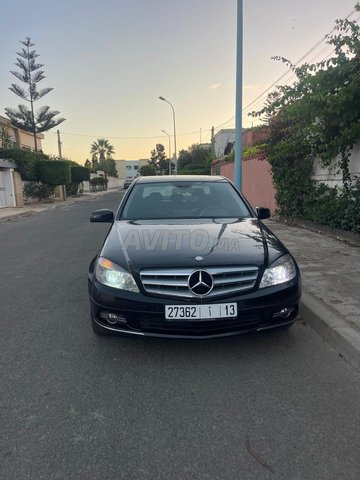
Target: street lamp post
(239,88)
(175,154)
(169,151)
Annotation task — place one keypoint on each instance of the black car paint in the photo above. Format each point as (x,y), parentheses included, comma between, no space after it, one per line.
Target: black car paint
(258,246)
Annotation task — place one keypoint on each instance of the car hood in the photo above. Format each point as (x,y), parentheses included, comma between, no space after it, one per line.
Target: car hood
(135,245)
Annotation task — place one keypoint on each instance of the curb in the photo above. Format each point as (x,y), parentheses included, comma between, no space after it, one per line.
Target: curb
(14,216)
(332,328)
(54,206)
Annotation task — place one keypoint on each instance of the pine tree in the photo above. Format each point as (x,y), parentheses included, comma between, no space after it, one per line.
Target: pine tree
(31,74)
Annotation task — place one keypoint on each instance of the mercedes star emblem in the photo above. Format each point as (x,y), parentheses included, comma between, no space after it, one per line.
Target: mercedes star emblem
(200,282)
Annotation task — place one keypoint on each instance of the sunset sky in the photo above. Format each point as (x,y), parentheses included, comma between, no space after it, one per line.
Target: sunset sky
(109,61)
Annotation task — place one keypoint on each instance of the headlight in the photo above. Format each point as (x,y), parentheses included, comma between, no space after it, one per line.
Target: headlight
(110,274)
(281,271)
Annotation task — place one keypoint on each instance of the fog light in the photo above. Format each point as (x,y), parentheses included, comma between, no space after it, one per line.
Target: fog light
(285,312)
(113,318)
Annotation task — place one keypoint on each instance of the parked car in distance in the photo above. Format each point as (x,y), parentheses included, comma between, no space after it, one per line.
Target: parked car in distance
(187,256)
(128,182)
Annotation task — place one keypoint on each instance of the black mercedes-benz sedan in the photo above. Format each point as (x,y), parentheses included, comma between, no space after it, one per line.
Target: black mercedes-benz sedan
(187,256)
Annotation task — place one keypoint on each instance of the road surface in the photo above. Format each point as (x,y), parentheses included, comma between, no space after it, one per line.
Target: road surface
(76,407)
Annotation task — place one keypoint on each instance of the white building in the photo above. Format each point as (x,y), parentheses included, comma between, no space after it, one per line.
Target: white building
(129,168)
(331,175)
(221,140)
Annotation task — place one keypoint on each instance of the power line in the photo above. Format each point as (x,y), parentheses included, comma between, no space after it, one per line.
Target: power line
(259,97)
(297,63)
(258,100)
(328,48)
(195,132)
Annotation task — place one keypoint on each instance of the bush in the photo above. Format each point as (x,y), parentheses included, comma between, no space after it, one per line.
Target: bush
(334,207)
(26,162)
(71,189)
(37,191)
(108,166)
(147,170)
(196,169)
(98,183)
(56,172)
(80,174)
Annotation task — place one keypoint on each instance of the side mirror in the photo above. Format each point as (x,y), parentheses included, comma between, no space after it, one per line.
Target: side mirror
(104,215)
(263,213)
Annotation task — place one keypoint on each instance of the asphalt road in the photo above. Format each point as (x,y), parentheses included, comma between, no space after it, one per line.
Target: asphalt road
(77,407)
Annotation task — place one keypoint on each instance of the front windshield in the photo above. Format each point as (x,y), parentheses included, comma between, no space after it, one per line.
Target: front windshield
(177,200)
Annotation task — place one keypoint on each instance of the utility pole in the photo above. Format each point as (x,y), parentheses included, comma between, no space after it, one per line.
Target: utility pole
(200,136)
(213,140)
(59,144)
(239,87)
(63,187)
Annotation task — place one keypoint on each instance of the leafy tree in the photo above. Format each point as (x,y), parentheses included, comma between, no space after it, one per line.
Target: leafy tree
(108,166)
(87,163)
(317,116)
(195,160)
(5,139)
(31,74)
(158,159)
(101,150)
(94,163)
(147,170)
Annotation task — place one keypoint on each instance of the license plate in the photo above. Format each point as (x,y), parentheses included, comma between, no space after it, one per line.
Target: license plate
(200,312)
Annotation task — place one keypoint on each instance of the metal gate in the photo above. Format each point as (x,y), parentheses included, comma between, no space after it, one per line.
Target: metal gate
(2,190)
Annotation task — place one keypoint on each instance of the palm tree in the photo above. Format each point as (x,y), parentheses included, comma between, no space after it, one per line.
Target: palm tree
(101,149)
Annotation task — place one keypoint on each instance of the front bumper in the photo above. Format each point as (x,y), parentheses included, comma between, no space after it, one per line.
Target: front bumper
(144,315)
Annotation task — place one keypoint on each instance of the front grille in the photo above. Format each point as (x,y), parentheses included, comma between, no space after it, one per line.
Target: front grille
(173,282)
(210,327)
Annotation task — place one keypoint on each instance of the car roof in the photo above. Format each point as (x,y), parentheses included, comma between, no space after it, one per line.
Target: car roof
(181,178)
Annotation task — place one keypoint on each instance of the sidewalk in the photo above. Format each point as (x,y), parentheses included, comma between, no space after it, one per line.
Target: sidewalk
(13,213)
(331,286)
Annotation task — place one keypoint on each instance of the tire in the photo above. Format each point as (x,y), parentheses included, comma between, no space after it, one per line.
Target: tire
(99,331)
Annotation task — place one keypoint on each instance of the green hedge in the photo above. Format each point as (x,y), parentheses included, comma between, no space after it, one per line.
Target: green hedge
(196,170)
(56,172)
(334,207)
(80,174)
(98,183)
(26,161)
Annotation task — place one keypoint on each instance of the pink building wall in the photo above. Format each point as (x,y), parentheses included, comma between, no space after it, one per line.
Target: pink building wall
(251,137)
(257,184)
